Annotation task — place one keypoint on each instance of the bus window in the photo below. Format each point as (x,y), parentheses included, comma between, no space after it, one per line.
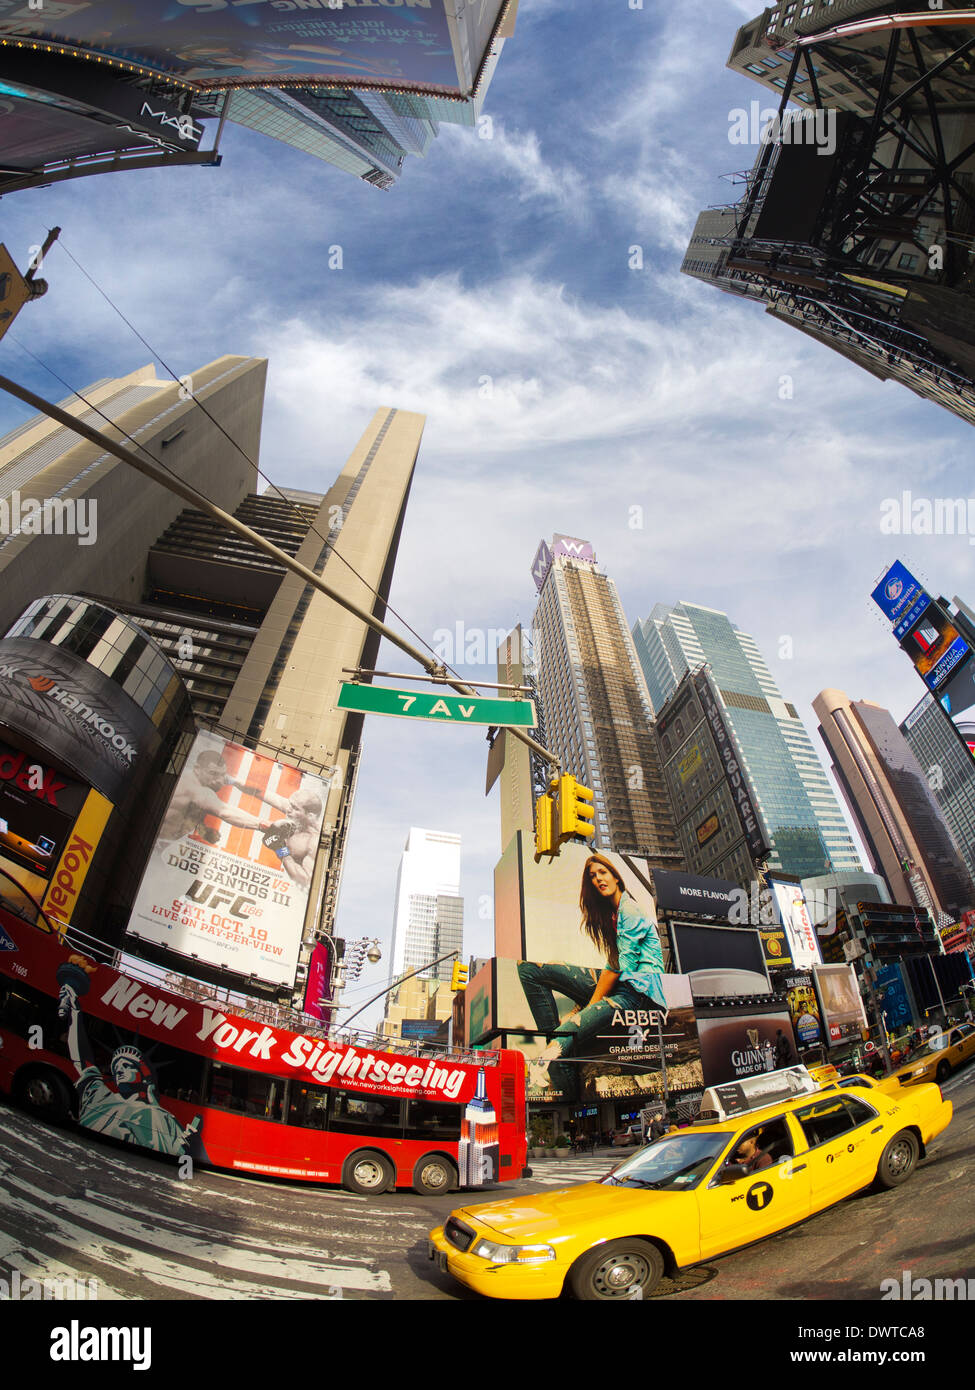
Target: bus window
(308,1106)
(246,1092)
(178,1074)
(432,1120)
(23,1008)
(353,1111)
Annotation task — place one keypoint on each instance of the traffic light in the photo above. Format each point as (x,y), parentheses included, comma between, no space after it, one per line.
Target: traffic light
(576,811)
(544,828)
(458,977)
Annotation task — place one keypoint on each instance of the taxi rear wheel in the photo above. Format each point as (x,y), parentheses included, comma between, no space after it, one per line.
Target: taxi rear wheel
(898,1160)
(618,1269)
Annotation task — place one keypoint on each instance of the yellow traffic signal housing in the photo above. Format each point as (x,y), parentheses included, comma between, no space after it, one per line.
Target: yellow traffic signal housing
(458,977)
(576,817)
(544,827)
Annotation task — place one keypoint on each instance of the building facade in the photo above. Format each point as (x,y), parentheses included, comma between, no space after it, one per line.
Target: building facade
(428,918)
(597,711)
(793,798)
(260,652)
(949,769)
(888,795)
(722,833)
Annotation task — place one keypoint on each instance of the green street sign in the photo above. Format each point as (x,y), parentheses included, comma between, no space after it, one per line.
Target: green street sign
(424,704)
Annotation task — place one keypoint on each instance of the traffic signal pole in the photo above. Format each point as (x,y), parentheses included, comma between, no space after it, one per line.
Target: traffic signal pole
(159,475)
(395,985)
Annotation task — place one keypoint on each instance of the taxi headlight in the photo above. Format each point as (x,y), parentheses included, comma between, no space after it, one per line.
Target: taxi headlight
(512,1254)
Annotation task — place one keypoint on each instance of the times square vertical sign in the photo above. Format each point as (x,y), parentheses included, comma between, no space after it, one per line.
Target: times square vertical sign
(939,652)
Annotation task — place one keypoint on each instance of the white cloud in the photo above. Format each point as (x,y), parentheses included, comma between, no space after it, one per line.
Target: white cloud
(517,157)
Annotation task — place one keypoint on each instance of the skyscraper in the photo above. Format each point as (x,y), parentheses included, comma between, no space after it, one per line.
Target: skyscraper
(799,810)
(855,224)
(889,797)
(949,769)
(428,919)
(597,712)
(260,652)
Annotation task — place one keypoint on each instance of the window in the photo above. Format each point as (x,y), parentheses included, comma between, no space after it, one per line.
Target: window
(906,261)
(829,1119)
(308,1106)
(432,1120)
(353,1111)
(245,1092)
(178,1074)
(773,1144)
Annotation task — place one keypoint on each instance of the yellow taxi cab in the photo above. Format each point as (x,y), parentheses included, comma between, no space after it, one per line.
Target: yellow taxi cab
(767,1153)
(889,1084)
(938,1058)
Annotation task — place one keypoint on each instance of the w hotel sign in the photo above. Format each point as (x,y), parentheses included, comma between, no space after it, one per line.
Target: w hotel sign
(569,546)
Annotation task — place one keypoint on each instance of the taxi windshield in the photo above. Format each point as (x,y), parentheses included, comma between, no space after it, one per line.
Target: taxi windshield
(670,1165)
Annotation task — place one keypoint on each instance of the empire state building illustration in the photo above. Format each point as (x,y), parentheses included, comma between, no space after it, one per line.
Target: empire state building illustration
(478,1152)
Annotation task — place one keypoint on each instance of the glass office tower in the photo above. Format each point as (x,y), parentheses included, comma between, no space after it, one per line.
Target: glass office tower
(798,805)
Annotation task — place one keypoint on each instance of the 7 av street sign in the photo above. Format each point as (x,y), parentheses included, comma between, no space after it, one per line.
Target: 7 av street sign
(449,709)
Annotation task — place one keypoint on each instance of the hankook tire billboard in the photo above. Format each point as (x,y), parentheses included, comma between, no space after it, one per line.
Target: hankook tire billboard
(83,719)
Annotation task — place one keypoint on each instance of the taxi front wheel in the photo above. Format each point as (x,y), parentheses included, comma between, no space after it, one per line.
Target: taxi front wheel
(898,1160)
(618,1269)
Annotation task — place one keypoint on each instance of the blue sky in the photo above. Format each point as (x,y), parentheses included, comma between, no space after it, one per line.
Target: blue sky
(610,388)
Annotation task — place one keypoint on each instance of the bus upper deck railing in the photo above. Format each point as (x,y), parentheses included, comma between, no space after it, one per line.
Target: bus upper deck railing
(256,1010)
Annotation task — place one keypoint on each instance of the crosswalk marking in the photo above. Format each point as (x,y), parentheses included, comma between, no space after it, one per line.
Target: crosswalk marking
(192,1238)
(570,1171)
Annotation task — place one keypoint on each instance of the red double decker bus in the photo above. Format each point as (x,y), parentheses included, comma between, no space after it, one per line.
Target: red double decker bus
(137,1062)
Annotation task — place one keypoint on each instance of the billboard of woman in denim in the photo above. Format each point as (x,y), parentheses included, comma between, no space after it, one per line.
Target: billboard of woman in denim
(630,982)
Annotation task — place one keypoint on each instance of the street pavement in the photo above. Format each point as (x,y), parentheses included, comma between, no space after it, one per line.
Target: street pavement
(84,1209)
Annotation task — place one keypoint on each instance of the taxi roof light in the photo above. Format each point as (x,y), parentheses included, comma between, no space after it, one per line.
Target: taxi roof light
(757,1092)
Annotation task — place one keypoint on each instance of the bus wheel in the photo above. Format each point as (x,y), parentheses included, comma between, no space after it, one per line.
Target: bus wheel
(433,1175)
(45,1093)
(367,1173)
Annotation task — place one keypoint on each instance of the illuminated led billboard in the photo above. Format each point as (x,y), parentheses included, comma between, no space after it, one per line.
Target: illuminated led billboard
(940,653)
(400,44)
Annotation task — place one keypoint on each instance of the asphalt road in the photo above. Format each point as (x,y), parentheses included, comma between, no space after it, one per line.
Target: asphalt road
(87,1210)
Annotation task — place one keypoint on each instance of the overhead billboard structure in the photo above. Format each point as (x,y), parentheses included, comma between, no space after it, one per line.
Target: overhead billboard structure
(228,877)
(941,654)
(398,45)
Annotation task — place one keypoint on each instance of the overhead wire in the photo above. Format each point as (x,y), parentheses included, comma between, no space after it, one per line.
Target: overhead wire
(272,486)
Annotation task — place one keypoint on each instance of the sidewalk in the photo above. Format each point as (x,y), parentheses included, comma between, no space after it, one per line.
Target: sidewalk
(601,1150)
